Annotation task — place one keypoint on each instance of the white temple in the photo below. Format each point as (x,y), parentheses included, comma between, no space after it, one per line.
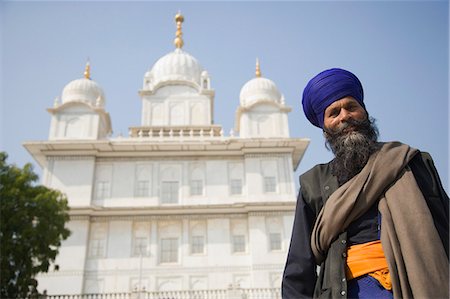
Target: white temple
(176,207)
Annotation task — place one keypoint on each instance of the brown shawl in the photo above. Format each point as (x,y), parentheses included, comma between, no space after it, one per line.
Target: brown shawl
(416,257)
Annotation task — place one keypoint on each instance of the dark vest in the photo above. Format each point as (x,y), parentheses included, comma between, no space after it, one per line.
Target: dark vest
(318,184)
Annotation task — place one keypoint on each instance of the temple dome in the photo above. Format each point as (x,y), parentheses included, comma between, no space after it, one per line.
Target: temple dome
(83,90)
(259,89)
(176,66)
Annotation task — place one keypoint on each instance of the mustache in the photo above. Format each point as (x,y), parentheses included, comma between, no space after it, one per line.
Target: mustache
(338,137)
(351,123)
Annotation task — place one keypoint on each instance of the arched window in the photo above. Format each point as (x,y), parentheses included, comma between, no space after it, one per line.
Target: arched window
(169,241)
(236,178)
(176,114)
(157,114)
(73,127)
(170,185)
(197,232)
(103,177)
(197,114)
(97,240)
(143,180)
(274,230)
(269,172)
(197,181)
(141,238)
(239,235)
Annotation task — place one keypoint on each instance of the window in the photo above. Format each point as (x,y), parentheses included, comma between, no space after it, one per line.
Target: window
(141,237)
(140,246)
(97,240)
(239,234)
(197,233)
(143,180)
(196,187)
(102,189)
(103,179)
(97,248)
(236,186)
(197,178)
(238,243)
(142,189)
(169,192)
(270,184)
(275,241)
(236,177)
(274,228)
(169,250)
(197,244)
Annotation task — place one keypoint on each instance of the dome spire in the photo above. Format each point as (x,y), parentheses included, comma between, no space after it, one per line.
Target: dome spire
(258,69)
(87,70)
(178,39)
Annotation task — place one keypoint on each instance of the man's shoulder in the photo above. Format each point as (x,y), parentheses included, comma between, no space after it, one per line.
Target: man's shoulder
(318,170)
(421,155)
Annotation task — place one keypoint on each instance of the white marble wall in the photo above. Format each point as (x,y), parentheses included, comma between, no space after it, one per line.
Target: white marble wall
(119,183)
(100,255)
(264,120)
(77,121)
(117,268)
(71,262)
(176,106)
(72,176)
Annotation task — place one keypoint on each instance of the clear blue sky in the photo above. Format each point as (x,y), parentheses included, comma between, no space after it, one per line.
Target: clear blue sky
(399,50)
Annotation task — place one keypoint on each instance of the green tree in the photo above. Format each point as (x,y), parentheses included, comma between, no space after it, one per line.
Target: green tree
(32,219)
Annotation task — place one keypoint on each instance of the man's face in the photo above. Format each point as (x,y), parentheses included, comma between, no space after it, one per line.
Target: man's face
(337,114)
(351,135)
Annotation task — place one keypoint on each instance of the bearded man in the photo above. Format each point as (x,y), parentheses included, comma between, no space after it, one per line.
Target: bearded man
(375,218)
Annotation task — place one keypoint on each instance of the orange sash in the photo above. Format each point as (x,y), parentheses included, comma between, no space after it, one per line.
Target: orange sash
(368,258)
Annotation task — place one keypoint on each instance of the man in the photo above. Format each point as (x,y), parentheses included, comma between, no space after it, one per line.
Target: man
(375,218)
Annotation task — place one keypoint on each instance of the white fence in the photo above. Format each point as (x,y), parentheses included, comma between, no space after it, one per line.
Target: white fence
(231,293)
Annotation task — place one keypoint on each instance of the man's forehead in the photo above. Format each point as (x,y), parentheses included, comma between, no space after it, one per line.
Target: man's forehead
(343,101)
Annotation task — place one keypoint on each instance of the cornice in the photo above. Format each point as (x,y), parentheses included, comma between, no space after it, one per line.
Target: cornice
(148,147)
(238,210)
(70,158)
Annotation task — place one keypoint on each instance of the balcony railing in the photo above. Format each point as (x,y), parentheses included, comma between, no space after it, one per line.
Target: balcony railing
(176,132)
(230,293)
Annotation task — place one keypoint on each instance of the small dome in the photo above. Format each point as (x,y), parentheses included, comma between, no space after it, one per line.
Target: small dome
(177,65)
(259,89)
(84,90)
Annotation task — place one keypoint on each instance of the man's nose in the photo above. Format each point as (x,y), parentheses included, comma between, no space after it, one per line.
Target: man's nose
(345,115)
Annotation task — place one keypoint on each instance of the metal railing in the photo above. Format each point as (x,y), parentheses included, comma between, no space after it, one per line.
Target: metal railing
(230,293)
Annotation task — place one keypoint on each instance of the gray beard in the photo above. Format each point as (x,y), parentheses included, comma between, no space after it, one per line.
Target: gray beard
(351,149)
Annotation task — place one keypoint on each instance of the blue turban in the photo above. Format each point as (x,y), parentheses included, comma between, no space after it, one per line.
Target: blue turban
(326,88)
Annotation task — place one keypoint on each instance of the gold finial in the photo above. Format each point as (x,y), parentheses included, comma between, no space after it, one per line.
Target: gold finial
(178,39)
(87,70)
(258,69)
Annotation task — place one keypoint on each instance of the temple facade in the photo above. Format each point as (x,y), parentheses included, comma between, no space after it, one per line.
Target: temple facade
(177,205)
